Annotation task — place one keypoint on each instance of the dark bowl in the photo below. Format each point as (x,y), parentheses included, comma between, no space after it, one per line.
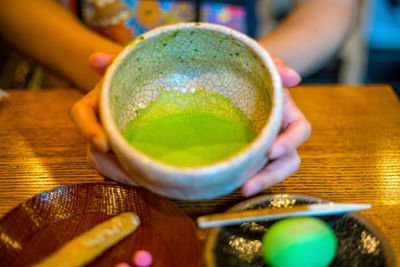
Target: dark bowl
(360,243)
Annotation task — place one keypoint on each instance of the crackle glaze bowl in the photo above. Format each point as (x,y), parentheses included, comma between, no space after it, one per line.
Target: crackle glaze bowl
(187,57)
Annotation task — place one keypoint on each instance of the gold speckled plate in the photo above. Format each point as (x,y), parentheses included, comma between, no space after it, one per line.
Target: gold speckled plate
(38,227)
(360,243)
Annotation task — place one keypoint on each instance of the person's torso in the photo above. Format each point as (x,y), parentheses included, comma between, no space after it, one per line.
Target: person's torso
(123,20)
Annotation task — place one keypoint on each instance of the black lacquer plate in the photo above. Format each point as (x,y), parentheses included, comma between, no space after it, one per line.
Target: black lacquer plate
(360,243)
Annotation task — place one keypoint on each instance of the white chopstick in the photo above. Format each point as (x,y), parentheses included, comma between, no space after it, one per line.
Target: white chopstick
(239,217)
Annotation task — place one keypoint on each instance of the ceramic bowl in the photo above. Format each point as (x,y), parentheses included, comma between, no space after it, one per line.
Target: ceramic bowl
(360,242)
(187,57)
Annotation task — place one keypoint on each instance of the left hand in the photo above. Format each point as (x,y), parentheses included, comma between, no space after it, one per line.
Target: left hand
(85,114)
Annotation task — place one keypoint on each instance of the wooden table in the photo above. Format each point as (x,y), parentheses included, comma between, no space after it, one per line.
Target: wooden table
(353,154)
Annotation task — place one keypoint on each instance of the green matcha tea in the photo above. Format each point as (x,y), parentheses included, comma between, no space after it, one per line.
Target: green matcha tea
(189,129)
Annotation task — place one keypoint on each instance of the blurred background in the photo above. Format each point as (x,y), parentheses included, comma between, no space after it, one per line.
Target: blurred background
(370,55)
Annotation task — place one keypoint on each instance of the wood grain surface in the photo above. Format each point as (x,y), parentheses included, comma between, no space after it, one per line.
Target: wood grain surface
(353,154)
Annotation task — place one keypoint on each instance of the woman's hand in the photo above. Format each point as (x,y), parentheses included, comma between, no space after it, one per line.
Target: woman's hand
(282,155)
(85,114)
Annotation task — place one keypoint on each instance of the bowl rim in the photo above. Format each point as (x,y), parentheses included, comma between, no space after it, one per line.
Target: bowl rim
(268,132)
(209,258)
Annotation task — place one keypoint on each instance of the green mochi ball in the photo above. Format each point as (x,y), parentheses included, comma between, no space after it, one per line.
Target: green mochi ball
(299,242)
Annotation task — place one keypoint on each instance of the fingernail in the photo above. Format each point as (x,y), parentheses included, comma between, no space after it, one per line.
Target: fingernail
(251,189)
(277,152)
(292,77)
(101,143)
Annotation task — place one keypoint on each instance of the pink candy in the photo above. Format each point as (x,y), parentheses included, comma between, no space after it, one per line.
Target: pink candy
(142,258)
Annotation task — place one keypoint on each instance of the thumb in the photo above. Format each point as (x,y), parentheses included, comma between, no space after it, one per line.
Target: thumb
(100,62)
